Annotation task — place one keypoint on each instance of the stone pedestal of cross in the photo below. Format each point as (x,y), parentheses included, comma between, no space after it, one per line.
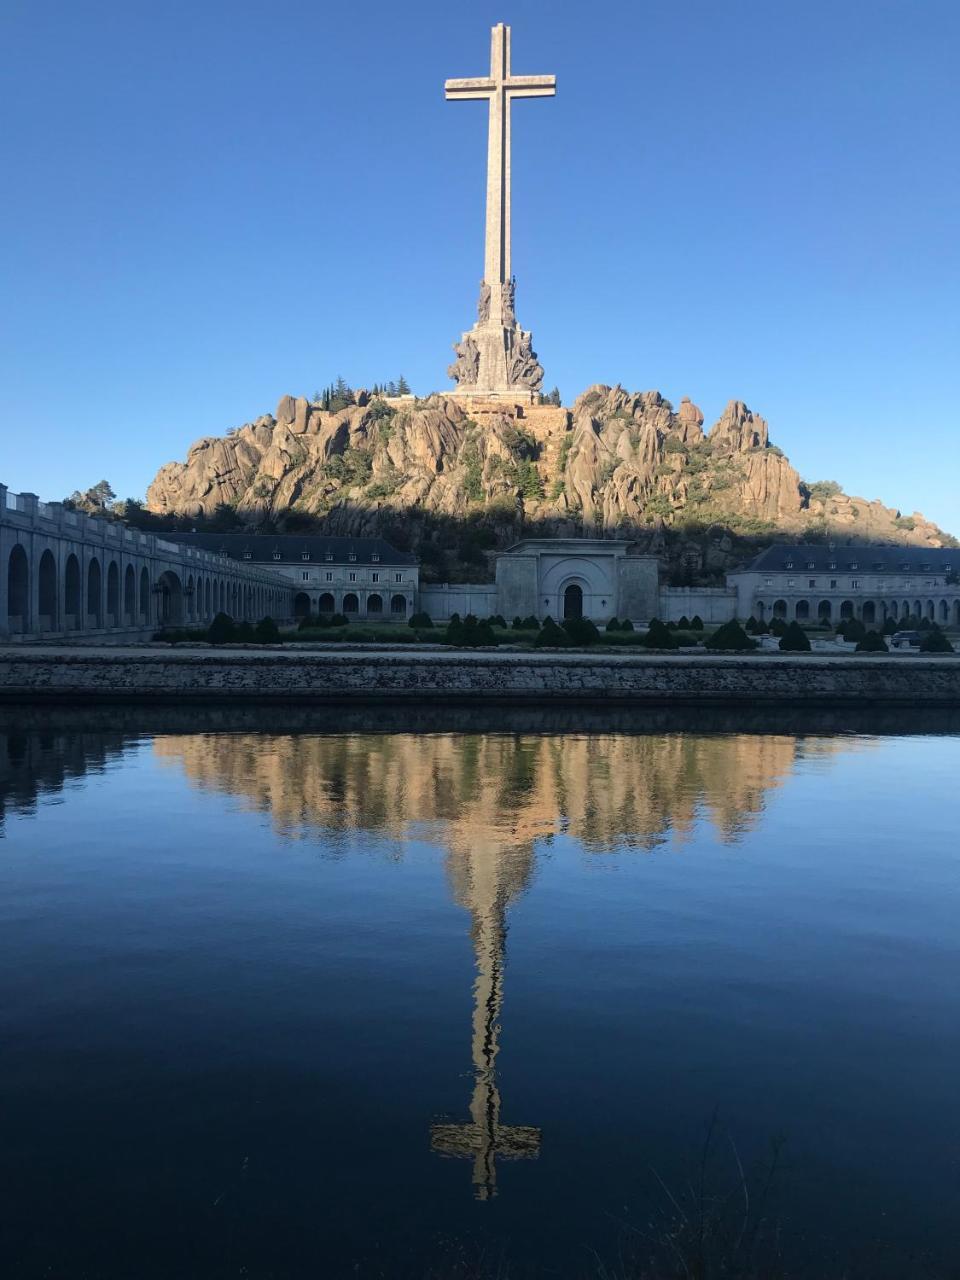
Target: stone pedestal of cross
(496,357)
(483,1138)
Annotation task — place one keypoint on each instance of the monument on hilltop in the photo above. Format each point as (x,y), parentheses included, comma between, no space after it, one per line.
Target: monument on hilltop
(496,358)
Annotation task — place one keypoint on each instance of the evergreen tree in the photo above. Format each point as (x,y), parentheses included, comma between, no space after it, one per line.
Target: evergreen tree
(554,397)
(794,639)
(730,636)
(403,386)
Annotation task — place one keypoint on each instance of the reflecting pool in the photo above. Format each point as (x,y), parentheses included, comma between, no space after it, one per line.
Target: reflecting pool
(293,994)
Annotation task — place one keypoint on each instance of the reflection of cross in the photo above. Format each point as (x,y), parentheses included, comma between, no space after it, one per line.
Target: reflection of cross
(499,89)
(484,1137)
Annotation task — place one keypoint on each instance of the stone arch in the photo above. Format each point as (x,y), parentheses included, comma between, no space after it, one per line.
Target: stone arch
(208,593)
(956,613)
(129,596)
(350,603)
(47,592)
(930,612)
(917,609)
(802,611)
(18,590)
(573,600)
(779,608)
(190,601)
(760,611)
(326,603)
(944,611)
(301,605)
(846,609)
(375,604)
(72,614)
(825,611)
(94,593)
(398,605)
(869,611)
(905,609)
(144,595)
(171,599)
(113,594)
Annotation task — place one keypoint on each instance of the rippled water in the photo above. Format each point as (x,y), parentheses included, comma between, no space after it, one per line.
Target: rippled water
(378,997)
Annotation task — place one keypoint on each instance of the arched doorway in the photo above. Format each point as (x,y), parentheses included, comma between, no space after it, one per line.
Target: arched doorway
(207,595)
(350,603)
(71,593)
(869,611)
(846,609)
(803,610)
(944,611)
(326,603)
(171,599)
(113,595)
(301,605)
(144,596)
(573,601)
(398,605)
(18,590)
(94,594)
(374,605)
(824,610)
(779,608)
(129,596)
(47,592)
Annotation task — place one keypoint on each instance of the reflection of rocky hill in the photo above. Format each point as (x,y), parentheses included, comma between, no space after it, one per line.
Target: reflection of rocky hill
(498,793)
(33,765)
(617,462)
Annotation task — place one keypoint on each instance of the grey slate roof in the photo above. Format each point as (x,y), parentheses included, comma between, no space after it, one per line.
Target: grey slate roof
(822,558)
(292,547)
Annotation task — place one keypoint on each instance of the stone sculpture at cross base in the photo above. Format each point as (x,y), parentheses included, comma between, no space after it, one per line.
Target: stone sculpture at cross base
(496,359)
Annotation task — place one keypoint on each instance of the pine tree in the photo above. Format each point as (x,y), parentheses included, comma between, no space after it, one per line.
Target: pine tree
(554,397)
(403,386)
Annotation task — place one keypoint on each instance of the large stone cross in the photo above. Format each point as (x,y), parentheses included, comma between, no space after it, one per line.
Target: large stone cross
(500,88)
(496,357)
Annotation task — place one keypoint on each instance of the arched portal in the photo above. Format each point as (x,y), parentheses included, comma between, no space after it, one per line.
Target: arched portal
(573,601)
(113,595)
(869,611)
(71,593)
(398,605)
(171,599)
(846,609)
(301,605)
(207,594)
(803,610)
(350,603)
(18,590)
(374,605)
(956,613)
(779,608)
(825,611)
(47,592)
(930,612)
(326,603)
(94,594)
(190,597)
(944,611)
(129,596)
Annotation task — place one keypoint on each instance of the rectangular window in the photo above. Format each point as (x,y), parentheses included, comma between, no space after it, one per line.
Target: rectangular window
(768,582)
(352,556)
(376,577)
(329,577)
(305,555)
(398,577)
(854,584)
(791,582)
(811,582)
(353,577)
(833,584)
(375,557)
(305,575)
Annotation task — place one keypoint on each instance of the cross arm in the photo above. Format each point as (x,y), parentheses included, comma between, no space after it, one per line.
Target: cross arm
(474,87)
(531,86)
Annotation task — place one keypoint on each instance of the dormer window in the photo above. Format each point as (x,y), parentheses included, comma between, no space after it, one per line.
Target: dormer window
(305,555)
(854,564)
(925,568)
(352,557)
(276,555)
(811,564)
(789,564)
(328,556)
(833,564)
(375,557)
(247,555)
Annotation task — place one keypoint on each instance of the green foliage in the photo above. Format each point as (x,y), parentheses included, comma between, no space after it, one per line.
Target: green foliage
(890,626)
(778,626)
(266,632)
(470,633)
(794,639)
(581,630)
(339,620)
(524,476)
(905,522)
(730,636)
(498,620)
(626,625)
(530,623)
(613,625)
(222,629)
(872,642)
(473,472)
(823,490)
(851,629)
(551,636)
(934,641)
(659,636)
(684,623)
(420,620)
(696,623)
(673,444)
(564,452)
(403,386)
(380,411)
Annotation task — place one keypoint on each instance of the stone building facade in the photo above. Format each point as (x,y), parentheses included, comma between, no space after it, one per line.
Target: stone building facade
(827,583)
(362,578)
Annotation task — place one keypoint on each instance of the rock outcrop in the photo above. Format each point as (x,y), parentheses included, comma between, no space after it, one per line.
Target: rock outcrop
(619,462)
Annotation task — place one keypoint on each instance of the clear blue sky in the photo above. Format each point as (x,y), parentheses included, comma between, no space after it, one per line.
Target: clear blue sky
(207,205)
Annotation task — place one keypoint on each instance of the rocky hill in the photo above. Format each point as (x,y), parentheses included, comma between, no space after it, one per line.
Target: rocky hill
(431,476)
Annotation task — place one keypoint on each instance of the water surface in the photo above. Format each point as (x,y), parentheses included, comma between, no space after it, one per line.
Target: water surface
(370,998)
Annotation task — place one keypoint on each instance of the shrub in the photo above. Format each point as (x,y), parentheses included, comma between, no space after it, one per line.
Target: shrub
(626,625)
(934,641)
(890,626)
(222,629)
(872,642)
(517,623)
(659,636)
(498,620)
(420,620)
(266,632)
(551,636)
(696,623)
(730,636)
(750,626)
(469,633)
(851,629)
(612,625)
(794,639)
(684,623)
(530,623)
(778,626)
(581,630)
(245,633)
(339,620)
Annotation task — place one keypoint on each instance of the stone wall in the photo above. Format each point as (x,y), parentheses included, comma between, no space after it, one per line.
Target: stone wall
(510,678)
(713,604)
(445,599)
